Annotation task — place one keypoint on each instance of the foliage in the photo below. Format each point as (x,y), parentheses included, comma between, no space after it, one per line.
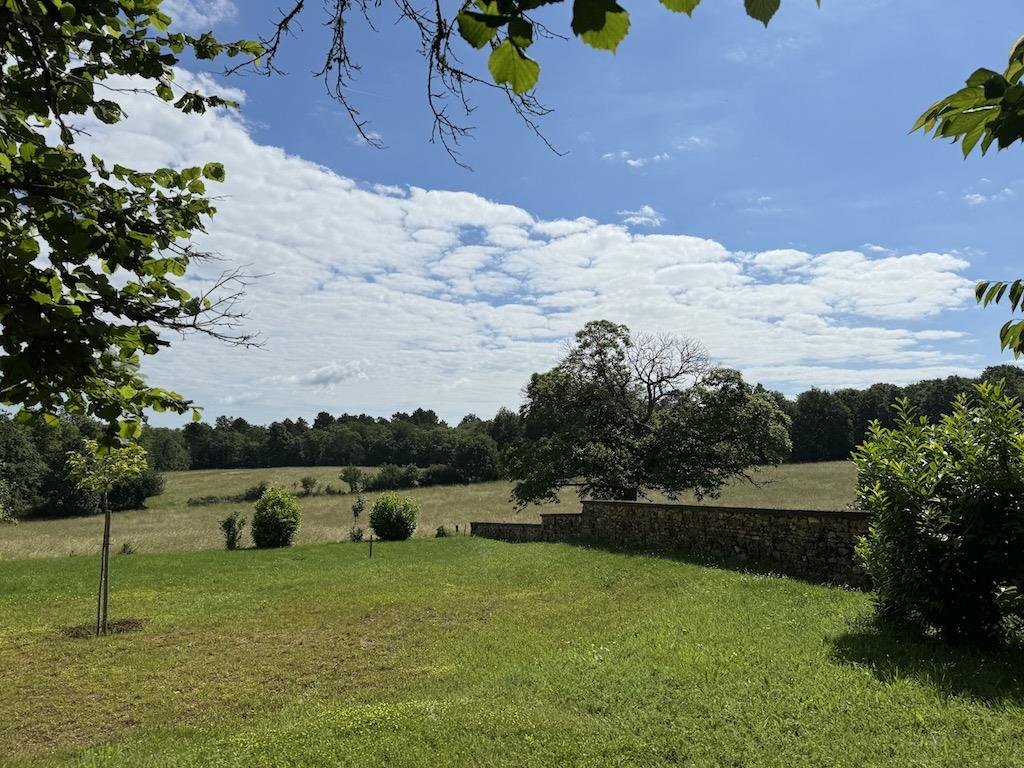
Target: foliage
(620,417)
(989,109)
(358,506)
(353,477)
(7,507)
(132,494)
(393,517)
(93,251)
(355,534)
(308,483)
(166,449)
(440,474)
(232,527)
(502,28)
(392,477)
(475,457)
(276,520)
(822,427)
(946,546)
(255,492)
(441,532)
(100,469)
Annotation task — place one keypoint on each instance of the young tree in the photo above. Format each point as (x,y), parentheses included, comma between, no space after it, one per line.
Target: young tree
(354,477)
(618,418)
(92,252)
(99,469)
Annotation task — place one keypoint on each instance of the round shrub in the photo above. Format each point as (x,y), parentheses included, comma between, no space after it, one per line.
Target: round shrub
(276,520)
(393,517)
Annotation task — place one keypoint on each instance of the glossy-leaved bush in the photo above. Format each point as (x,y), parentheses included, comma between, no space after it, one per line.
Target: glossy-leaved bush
(276,520)
(945,549)
(393,517)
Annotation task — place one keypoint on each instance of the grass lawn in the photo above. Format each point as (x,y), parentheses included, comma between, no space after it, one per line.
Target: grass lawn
(169,524)
(466,652)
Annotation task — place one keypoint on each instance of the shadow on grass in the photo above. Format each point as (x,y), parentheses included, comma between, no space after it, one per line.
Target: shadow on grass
(894,653)
(751,567)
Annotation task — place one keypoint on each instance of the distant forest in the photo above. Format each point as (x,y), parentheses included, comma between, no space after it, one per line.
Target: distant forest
(33,474)
(825,426)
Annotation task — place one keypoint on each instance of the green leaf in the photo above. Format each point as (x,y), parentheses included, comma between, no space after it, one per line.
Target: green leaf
(601,24)
(214,171)
(681,6)
(520,32)
(512,67)
(478,29)
(762,10)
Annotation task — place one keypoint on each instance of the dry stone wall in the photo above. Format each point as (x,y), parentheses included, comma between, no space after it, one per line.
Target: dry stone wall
(808,544)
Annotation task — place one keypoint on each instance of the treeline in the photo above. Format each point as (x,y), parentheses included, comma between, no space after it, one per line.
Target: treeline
(475,447)
(34,471)
(825,426)
(828,425)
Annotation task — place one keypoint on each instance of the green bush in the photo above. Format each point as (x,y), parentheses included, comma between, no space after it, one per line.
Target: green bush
(440,474)
(253,492)
(308,484)
(132,494)
(276,520)
(393,477)
(946,546)
(232,526)
(393,517)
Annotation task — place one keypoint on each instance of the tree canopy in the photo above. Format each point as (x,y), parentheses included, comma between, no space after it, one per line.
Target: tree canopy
(92,250)
(622,416)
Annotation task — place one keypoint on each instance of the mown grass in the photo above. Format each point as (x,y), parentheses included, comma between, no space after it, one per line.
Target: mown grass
(465,652)
(169,524)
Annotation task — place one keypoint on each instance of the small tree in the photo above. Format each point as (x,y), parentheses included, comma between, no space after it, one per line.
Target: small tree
(946,546)
(98,470)
(232,527)
(354,477)
(308,484)
(357,508)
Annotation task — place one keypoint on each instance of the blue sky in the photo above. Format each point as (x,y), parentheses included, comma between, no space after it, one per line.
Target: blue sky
(754,187)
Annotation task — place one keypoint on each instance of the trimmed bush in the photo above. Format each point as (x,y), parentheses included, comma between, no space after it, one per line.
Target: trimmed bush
(232,526)
(946,546)
(393,517)
(276,520)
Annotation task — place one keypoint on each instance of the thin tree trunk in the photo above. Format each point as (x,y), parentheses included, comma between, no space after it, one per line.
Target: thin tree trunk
(106,560)
(99,593)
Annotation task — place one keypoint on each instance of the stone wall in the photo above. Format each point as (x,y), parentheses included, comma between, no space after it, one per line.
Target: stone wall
(807,544)
(517,533)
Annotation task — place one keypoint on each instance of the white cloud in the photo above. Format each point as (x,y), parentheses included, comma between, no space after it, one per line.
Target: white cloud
(381,299)
(644,216)
(331,374)
(979,198)
(633,161)
(365,139)
(199,15)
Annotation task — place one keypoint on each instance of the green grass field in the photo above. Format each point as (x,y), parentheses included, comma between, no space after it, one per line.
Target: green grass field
(466,652)
(170,525)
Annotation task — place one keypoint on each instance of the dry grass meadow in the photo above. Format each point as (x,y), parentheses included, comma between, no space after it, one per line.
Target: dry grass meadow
(169,524)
